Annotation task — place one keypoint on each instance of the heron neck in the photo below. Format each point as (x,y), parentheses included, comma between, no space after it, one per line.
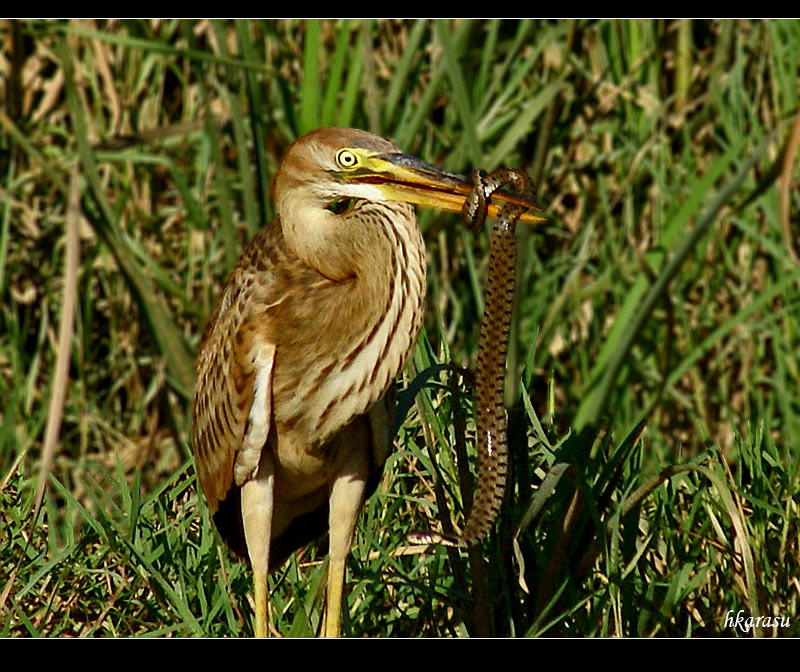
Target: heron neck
(370,321)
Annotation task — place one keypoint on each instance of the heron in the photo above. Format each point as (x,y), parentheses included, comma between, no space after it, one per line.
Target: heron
(293,405)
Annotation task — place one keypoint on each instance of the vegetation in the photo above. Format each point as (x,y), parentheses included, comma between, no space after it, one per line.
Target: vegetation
(654,374)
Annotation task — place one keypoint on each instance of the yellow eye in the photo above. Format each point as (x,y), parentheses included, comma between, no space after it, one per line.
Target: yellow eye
(346,159)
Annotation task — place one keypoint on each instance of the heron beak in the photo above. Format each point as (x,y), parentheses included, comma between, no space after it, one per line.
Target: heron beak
(405,178)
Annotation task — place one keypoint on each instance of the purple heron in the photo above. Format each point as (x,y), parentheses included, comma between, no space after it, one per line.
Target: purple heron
(292,422)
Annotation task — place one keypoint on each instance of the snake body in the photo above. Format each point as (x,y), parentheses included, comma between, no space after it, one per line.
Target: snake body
(492,351)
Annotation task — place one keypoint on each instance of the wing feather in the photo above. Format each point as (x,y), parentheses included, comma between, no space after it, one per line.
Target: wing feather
(234,349)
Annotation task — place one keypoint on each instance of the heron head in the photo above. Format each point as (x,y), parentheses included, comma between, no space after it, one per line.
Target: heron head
(328,173)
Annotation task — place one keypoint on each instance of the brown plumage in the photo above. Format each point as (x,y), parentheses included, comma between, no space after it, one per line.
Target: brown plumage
(292,421)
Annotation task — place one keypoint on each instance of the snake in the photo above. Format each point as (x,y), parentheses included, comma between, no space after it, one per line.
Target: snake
(490,367)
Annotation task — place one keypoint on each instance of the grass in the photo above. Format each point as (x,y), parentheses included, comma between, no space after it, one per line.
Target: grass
(655,361)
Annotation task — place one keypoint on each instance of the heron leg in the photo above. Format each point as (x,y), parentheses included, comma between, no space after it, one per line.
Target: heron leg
(347,494)
(258,497)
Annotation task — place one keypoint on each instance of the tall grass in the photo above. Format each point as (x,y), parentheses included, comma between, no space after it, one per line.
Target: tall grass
(655,363)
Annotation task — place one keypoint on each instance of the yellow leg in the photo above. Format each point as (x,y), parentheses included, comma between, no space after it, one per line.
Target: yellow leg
(347,494)
(257,506)
(262,611)
(333,607)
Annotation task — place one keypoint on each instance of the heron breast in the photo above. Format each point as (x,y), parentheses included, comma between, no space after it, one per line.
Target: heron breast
(356,343)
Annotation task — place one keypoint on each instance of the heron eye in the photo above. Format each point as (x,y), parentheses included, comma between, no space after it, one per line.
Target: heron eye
(346,159)
(342,206)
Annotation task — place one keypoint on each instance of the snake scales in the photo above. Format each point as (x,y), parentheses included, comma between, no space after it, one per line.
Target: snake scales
(492,350)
